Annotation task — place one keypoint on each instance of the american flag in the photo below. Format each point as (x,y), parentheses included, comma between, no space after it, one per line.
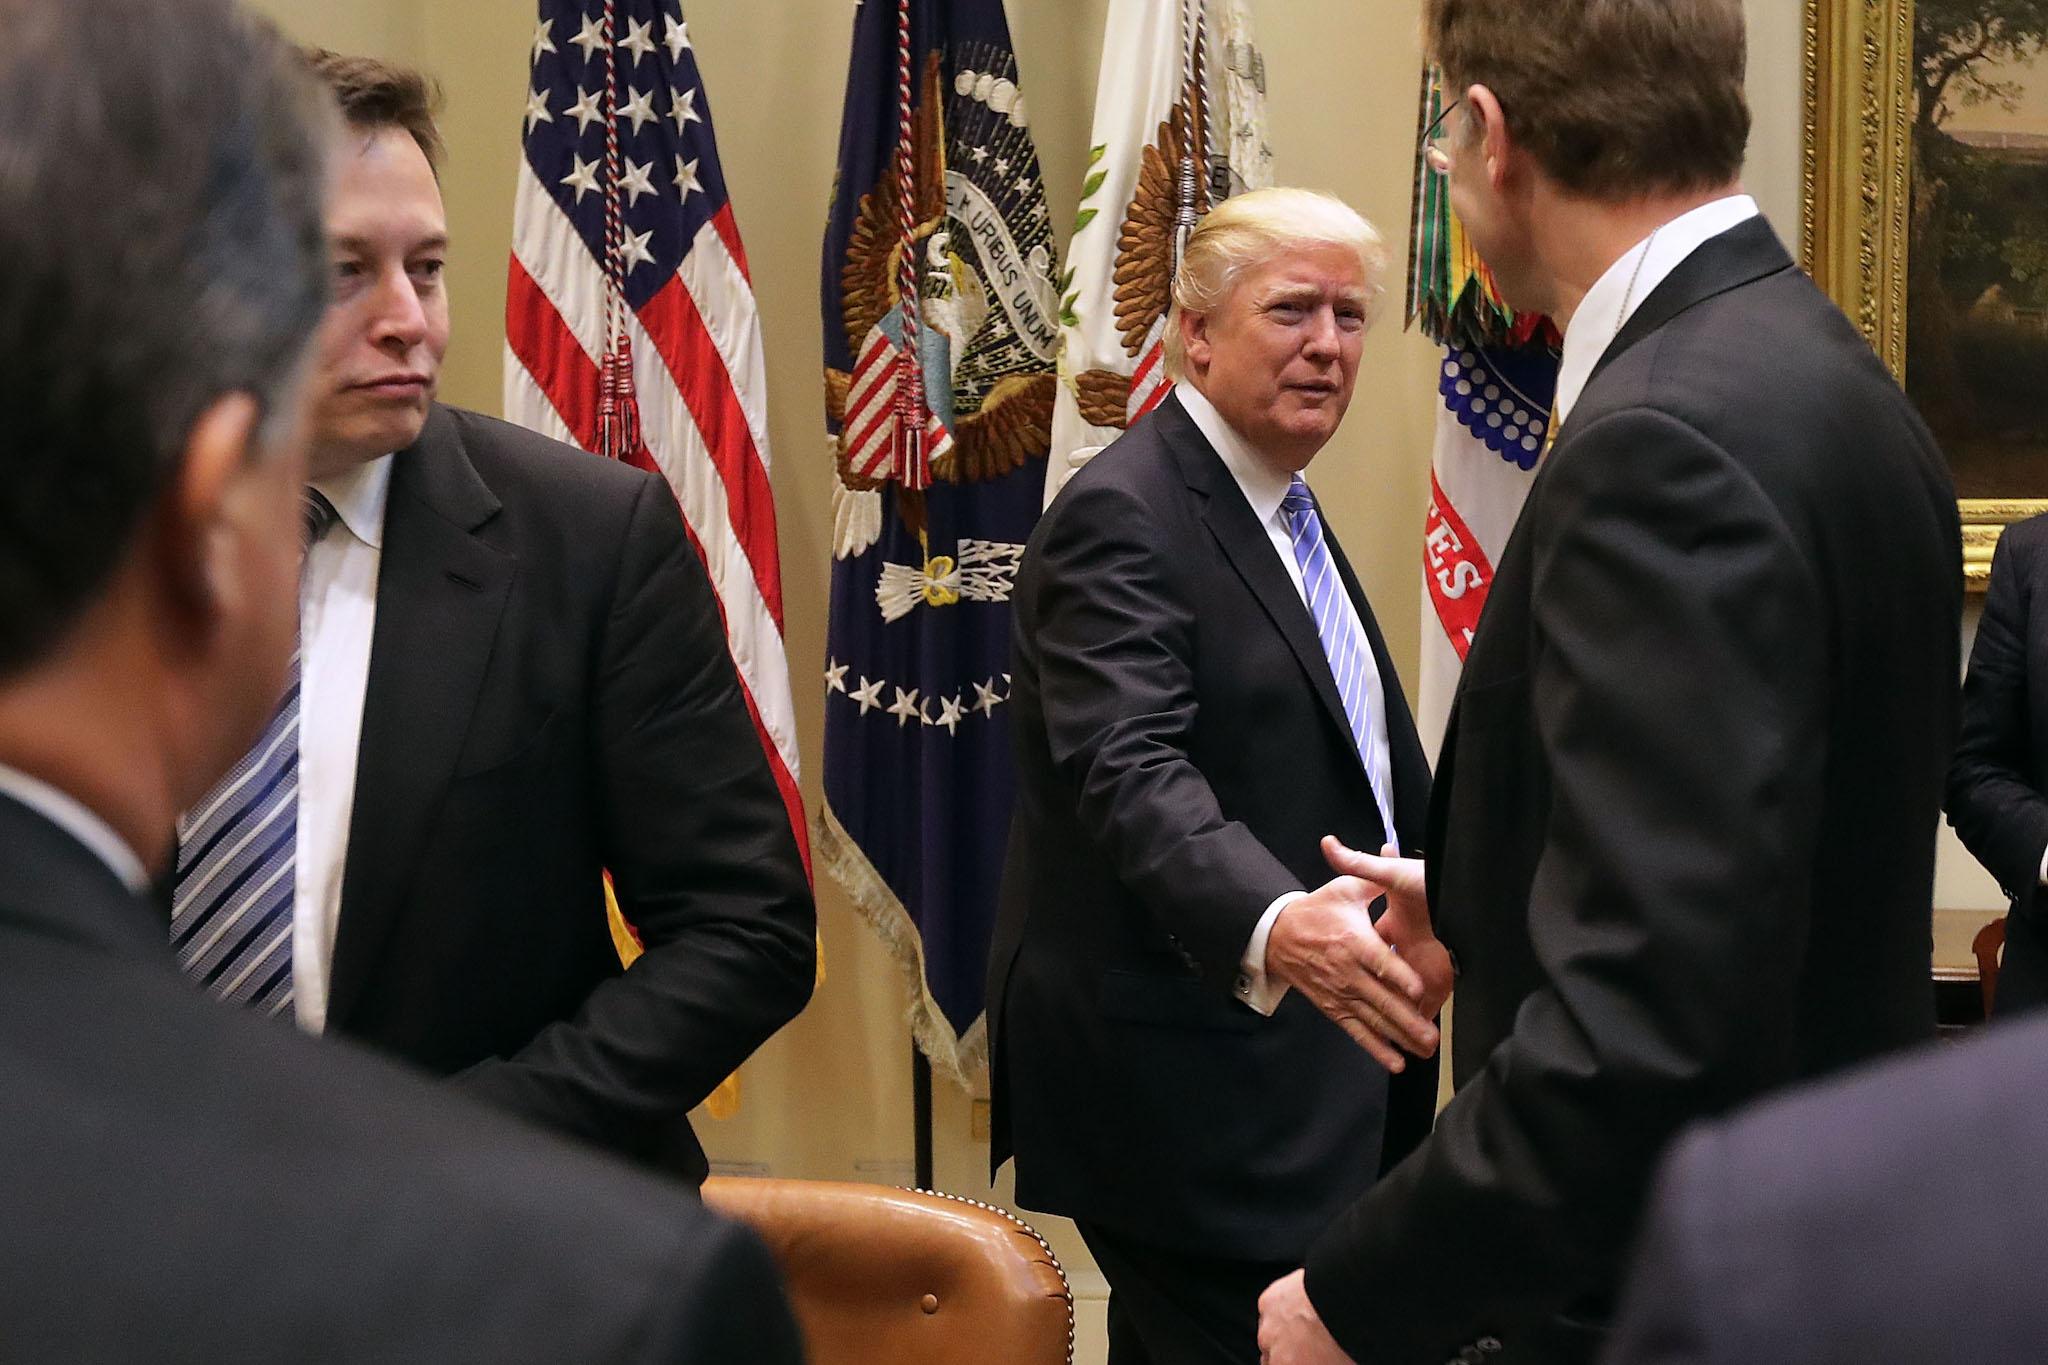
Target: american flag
(630,324)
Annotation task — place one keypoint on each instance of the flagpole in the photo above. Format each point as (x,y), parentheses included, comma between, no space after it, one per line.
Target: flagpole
(921,1114)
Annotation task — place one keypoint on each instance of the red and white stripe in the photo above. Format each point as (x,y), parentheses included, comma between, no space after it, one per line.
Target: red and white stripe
(875,406)
(1149,384)
(1474,498)
(701,382)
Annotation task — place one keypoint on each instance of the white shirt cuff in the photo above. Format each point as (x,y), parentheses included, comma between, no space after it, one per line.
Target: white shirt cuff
(2044,881)
(1252,986)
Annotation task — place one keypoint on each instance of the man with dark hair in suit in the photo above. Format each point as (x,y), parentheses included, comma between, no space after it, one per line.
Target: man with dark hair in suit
(515,680)
(1682,836)
(180,1181)
(1191,1052)
(1998,782)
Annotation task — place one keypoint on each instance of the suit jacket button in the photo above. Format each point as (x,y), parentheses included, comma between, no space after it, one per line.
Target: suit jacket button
(1244,984)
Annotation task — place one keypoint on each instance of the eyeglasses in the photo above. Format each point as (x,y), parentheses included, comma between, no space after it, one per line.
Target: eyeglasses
(1433,153)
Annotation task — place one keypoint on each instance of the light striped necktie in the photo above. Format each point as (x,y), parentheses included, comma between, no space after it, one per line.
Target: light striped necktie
(1343,638)
(234,883)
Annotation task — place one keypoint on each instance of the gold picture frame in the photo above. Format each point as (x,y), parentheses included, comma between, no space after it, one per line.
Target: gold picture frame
(1858,187)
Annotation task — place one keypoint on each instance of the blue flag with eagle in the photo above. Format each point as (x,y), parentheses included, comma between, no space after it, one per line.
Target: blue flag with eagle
(941,323)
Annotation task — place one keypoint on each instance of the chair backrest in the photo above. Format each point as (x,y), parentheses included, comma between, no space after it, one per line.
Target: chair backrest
(882,1276)
(1990,939)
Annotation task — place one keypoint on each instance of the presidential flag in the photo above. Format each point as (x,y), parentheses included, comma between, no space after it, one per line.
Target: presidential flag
(630,326)
(940,330)
(1495,385)
(1180,122)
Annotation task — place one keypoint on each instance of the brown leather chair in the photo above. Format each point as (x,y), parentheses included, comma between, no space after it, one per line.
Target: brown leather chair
(882,1276)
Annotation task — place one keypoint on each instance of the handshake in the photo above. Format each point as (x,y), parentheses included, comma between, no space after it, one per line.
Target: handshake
(1383,983)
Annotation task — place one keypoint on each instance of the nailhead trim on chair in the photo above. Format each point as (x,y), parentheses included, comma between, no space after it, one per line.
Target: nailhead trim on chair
(1043,1245)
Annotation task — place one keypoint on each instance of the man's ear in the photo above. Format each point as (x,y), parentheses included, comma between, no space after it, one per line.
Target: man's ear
(1194,341)
(1492,140)
(197,520)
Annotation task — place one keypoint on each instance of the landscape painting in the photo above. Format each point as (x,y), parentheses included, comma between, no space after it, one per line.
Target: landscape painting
(1977,251)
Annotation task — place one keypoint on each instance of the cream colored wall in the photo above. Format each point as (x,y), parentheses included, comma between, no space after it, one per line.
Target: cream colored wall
(830,1097)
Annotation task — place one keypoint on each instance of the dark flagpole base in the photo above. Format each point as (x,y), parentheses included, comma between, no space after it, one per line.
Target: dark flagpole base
(921,1114)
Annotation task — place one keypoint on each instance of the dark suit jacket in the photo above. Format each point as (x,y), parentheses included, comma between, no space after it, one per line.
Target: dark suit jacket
(1997,782)
(186,1182)
(550,695)
(1893,1218)
(1682,838)
(1181,749)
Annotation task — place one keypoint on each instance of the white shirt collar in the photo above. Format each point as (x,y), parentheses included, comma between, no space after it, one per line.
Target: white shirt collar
(80,821)
(1262,485)
(1611,302)
(359,495)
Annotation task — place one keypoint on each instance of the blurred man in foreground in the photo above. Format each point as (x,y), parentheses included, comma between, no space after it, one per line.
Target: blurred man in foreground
(182,1181)
(1891,1217)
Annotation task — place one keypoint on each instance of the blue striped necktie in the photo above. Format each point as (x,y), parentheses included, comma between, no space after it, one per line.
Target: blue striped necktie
(234,883)
(1343,637)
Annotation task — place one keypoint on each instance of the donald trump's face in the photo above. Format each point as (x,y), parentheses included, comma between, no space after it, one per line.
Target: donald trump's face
(1279,356)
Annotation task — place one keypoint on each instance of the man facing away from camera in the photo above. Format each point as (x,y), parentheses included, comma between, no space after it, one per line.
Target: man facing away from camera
(1682,837)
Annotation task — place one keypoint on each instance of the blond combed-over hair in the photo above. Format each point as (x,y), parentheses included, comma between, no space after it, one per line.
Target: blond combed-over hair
(1256,227)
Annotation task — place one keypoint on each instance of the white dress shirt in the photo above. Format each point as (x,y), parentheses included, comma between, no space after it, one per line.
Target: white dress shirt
(80,821)
(1610,303)
(1264,487)
(337,613)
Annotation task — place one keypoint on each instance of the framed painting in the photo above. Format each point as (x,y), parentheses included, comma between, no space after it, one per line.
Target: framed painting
(1926,219)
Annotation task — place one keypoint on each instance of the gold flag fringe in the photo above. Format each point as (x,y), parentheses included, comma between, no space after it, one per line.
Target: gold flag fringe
(962,1058)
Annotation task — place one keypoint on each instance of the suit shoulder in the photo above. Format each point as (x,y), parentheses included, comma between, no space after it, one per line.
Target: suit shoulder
(1134,473)
(215,1128)
(2025,538)
(587,1227)
(1775,377)
(513,461)
(1864,1136)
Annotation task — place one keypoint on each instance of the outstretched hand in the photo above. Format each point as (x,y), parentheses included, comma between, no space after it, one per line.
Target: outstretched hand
(1324,945)
(1405,925)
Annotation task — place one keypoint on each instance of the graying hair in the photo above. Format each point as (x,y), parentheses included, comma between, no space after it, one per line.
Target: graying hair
(1253,228)
(162,167)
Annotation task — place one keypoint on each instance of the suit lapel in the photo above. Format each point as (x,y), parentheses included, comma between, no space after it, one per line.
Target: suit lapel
(440,592)
(1249,549)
